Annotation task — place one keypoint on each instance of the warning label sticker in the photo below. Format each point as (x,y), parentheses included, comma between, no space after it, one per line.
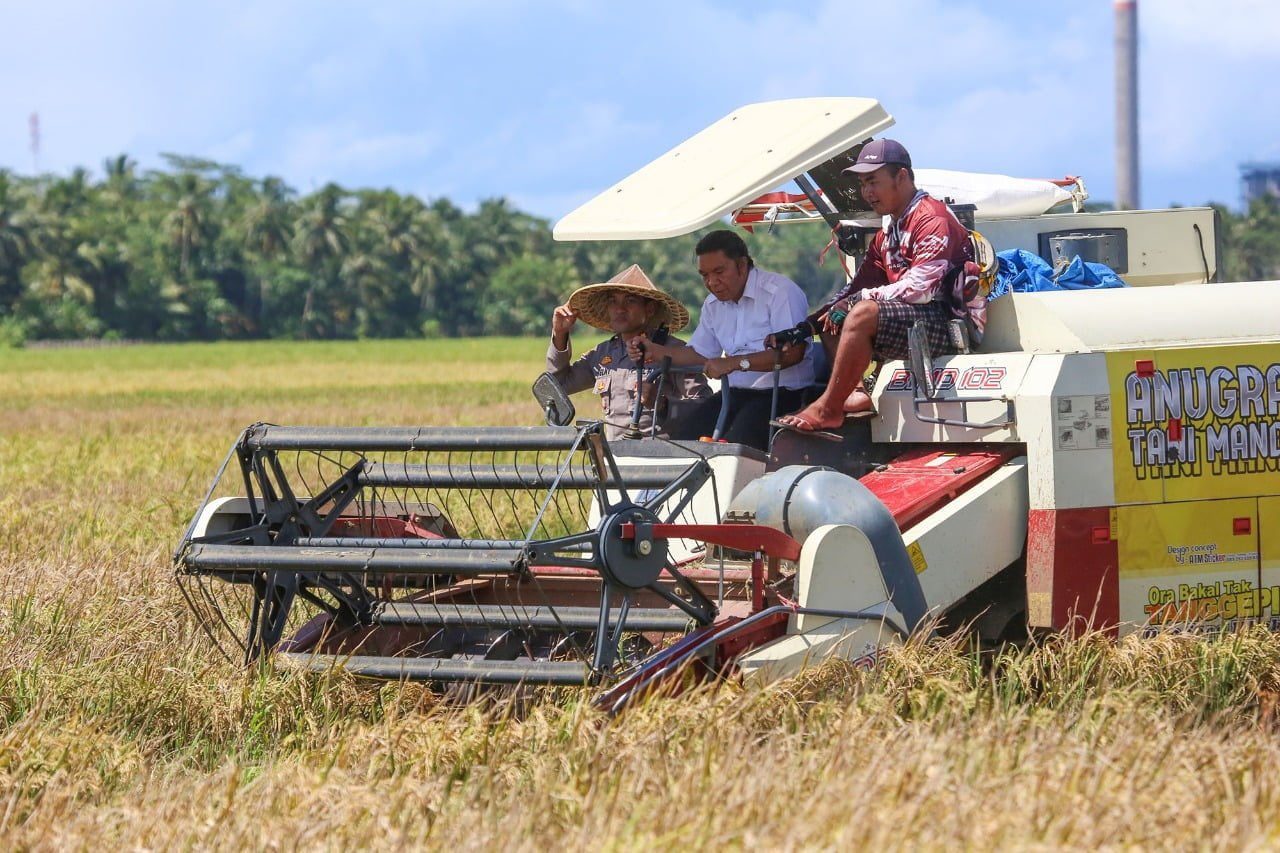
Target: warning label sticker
(1082,422)
(916,553)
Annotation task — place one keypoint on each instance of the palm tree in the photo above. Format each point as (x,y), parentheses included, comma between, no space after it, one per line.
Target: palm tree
(266,222)
(396,222)
(439,257)
(321,232)
(65,196)
(1257,251)
(188,223)
(265,227)
(16,246)
(320,241)
(121,177)
(419,246)
(185,224)
(505,233)
(367,277)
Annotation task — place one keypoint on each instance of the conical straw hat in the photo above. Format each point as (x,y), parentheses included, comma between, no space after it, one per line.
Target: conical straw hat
(591,303)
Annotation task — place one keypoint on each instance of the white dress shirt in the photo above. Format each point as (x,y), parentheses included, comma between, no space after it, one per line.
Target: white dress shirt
(769,303)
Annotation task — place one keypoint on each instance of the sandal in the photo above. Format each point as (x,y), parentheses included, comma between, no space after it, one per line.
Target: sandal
(811,429)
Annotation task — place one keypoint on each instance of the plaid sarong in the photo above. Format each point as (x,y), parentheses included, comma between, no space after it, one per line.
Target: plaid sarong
(890,341)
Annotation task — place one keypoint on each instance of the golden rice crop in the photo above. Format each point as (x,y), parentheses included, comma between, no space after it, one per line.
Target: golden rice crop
(120,727)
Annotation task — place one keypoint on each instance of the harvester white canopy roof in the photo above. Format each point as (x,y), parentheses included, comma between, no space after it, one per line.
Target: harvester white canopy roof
(748,152)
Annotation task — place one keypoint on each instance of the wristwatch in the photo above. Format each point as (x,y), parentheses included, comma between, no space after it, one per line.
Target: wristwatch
(744,364)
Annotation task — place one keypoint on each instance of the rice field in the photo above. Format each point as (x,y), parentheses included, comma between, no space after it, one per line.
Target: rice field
(121,728)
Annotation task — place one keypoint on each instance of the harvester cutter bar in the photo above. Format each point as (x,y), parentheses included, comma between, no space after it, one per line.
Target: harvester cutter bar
(555,673)
(214,559)
(577,618)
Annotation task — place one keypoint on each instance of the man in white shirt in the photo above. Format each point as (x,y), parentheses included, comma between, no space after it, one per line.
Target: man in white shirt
(744,306)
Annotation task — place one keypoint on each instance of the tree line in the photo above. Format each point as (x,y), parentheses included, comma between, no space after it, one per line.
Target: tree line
(200,251)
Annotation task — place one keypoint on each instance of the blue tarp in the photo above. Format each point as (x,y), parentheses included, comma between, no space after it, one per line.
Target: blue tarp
(1025,272)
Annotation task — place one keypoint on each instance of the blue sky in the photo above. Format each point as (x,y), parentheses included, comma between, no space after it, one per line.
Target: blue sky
(549,102)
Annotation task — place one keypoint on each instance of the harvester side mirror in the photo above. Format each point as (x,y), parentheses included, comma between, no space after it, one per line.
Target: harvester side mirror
(553,401)
(921,361)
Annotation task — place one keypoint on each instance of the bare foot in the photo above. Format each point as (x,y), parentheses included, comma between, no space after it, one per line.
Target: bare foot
(859,401)
(813,418)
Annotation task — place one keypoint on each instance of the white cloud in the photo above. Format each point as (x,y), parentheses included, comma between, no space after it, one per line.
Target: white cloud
(552,204)
(233,149)
(1237,30)
(969,87)
(346,151)
(543,101)
(1205,99)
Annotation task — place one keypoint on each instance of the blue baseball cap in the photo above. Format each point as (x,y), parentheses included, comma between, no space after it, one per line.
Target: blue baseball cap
(877,153)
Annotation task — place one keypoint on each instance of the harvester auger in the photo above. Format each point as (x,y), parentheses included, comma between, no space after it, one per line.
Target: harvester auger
(489,556)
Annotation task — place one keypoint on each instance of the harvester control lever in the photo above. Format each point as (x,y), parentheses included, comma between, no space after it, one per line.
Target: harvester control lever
(802,332)
(633,429)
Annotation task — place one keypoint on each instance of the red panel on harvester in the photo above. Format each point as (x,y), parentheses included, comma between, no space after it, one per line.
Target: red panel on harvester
(1073,567)
(920,481)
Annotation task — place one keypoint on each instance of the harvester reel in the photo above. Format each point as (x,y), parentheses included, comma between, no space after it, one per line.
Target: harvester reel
(513,555)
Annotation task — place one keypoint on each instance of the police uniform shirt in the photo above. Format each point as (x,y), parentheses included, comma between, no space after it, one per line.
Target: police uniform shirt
(611,374)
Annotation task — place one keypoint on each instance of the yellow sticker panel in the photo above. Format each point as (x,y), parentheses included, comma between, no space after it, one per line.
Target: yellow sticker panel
(1136,481)
(1194,562)
(1196,423)
(1269,540)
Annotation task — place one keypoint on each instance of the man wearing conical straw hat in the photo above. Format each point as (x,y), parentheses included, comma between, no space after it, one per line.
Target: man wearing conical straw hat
(629,304)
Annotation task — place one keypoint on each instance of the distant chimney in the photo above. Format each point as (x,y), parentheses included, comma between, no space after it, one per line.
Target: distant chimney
(1126,104)
(33,126)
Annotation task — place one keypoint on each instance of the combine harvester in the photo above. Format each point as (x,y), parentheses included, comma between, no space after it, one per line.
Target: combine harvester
(1105,459)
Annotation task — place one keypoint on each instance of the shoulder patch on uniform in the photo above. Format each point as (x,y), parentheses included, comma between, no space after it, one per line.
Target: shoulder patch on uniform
(930,246)
(608,359)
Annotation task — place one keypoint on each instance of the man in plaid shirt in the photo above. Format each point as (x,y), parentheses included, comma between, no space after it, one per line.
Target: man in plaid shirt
(907,277)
